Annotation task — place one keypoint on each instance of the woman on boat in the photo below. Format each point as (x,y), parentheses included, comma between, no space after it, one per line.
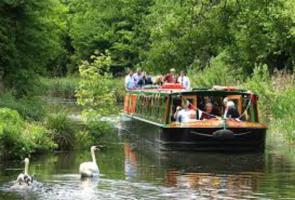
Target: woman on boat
(208,114)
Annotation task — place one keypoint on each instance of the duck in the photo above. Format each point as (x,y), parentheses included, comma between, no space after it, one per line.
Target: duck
(89,169)
(25,178)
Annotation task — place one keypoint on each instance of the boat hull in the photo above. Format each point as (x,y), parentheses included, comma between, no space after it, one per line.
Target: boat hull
(195,138)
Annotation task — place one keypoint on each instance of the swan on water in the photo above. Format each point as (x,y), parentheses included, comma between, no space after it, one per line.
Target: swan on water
(25,178)
(89,169)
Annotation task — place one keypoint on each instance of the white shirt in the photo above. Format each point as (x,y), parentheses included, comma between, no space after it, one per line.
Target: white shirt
(183,115)
(184,81)
(136,78)
(129,82)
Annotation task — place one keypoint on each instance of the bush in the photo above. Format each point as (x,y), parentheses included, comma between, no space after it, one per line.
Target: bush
(218,73)
(17,138)
(62,130)
(117,86)
(94,93)
(31,108)
(260,83)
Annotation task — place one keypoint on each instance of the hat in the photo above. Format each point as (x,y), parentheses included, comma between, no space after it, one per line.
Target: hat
(172,70)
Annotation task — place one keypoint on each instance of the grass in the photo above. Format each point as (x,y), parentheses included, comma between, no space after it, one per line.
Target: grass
(30,108)
(63,87)
(62,130)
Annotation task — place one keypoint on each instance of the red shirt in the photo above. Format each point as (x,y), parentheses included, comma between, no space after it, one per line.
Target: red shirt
(170,78)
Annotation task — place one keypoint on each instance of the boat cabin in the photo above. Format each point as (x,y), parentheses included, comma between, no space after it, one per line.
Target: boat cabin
(159,105)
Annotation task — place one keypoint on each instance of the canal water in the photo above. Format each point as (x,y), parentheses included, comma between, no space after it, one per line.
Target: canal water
(132,171)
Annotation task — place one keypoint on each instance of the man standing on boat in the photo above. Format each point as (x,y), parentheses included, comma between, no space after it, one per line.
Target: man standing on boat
(129,82)
(184,80)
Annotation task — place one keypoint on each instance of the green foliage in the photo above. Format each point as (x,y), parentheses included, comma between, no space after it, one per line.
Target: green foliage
(116,85)
(62,130)
(94,93)
(109,25)
(260,82)
(217,73)
(30,39)
(30,108)
(18,138)
(190,33)
(283,113)
(64,87)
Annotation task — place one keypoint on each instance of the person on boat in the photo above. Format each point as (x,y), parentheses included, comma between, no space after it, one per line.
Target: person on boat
(137,78)
(231,111)
(184,80)
(129,82)
(170,77)
(185,114)
(208,114)
(158,80)
(146,79)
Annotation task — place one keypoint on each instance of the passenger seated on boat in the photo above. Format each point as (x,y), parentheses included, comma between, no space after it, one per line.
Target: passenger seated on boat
(208,114)
(231,111)
(185,114)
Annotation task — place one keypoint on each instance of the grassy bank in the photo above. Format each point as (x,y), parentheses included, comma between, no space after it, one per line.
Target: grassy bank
(34,124)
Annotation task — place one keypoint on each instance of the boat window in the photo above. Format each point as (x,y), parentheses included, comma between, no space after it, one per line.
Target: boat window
(243,104)
(176,101)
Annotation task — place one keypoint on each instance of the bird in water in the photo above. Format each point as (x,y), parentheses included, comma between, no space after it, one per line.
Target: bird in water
(25,178)
(90,169)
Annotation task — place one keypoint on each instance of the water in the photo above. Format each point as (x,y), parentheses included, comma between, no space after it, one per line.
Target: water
(130,171)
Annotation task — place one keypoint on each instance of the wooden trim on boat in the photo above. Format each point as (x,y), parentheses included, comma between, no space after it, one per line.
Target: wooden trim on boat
(145,120)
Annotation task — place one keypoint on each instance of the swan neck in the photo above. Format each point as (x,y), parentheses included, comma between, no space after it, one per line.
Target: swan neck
(26,167)
(93,156)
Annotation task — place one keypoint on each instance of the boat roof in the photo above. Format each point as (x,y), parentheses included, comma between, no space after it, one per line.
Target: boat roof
(214,91)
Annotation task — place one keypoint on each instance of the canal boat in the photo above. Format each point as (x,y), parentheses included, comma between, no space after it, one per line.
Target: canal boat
(151,115)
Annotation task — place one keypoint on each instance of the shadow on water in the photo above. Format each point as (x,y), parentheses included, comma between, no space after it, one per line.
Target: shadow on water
(130,170)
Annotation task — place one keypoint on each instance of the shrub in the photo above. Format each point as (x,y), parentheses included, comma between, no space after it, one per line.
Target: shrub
(62,130)
(31,108)
(18,138)
(218,73)
(117,86)
(94,93)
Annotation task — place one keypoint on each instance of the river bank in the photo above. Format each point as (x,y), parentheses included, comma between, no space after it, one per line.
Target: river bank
(47,120)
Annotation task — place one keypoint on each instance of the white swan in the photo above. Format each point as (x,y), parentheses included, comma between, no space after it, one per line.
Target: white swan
(89,169)
(25,178)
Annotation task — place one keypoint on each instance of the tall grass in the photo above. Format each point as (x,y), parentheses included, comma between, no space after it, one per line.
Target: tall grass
(62,129)
(63,87)
(117,85)
(30,108)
